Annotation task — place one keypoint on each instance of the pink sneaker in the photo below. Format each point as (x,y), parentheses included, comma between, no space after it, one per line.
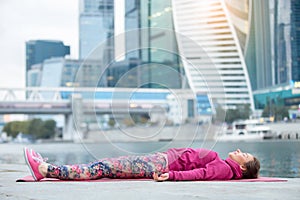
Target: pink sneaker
(38,156)
(33,161)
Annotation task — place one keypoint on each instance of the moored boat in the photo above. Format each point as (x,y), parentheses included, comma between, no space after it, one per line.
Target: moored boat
(245,130)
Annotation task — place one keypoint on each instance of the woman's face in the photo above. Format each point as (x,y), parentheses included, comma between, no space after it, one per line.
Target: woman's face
(240,157)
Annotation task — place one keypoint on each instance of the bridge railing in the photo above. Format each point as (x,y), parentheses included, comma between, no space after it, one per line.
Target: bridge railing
(40,93)
(59,93)
(32,94)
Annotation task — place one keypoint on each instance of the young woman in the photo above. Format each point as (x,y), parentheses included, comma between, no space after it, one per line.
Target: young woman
(176,164)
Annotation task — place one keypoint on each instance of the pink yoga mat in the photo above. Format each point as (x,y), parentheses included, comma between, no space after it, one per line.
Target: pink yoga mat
(260,179)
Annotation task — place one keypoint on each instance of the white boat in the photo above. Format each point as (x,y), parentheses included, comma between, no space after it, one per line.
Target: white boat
(245,130)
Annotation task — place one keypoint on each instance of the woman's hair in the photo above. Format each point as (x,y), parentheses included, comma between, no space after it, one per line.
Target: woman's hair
(252,168)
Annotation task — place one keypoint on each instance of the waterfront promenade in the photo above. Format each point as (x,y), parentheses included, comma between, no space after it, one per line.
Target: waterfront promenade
(9,189)
(15,168)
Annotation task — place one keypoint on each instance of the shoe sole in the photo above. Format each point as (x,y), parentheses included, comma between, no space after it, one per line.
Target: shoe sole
(28,164)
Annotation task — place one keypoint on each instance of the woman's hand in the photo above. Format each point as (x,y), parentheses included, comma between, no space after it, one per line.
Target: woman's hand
(162,177)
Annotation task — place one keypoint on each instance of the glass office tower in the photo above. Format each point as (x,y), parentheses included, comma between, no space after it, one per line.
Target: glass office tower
(251,21)
(285,23)
(213,48)
(283,36)
(272,51)
(96,24)
(295,37)
(61,72)
(280,18)
(39,50)
(34,75)
(157,50)
(143,23)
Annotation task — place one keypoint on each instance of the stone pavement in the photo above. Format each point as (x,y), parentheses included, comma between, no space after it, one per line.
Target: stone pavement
(10,189)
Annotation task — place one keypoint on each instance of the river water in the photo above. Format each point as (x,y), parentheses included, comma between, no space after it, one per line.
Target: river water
(279,158)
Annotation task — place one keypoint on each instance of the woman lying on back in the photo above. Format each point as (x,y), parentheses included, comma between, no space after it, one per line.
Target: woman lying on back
(176,164)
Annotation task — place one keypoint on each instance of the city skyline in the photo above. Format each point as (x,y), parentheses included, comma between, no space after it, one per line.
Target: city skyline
(22,21)
(47,20)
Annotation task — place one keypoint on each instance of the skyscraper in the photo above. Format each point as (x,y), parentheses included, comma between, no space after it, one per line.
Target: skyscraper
(284,23)
(284,37)
(62,72)
(34,75)
(212,48)
(96,25)
(39,50)
(150,38)
(280,17)
(99,23)
(268,33)
(295,39)
(251,21)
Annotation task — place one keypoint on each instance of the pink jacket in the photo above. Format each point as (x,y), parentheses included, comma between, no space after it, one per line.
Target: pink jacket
(200,164)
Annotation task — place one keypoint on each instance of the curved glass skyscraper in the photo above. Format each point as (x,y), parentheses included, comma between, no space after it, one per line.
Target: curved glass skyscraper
(216,66)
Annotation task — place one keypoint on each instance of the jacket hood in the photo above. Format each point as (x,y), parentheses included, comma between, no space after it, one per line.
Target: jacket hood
(235,167)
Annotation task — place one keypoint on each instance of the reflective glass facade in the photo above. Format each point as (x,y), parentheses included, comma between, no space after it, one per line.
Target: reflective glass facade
(239,14)
(268,33)
(34,75)
(157,15)
(52,72)
(258,45)
(60,72)
(141,46)
(285,26)
(96,22)
(39,50)
(281,40)
(279,97)
(215,63)
(295,37)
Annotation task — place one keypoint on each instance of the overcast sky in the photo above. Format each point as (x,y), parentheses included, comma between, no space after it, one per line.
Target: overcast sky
(23,20)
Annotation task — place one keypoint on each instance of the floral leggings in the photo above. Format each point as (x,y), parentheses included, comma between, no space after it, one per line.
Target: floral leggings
(121,167)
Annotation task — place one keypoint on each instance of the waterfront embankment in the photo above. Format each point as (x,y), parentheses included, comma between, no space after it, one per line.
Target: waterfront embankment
(12,167)
(10,189)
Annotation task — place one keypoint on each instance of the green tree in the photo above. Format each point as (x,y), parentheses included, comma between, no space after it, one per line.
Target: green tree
(8,129)
(244,111)
(278,112)
(15,127)
(220,114)
(241,112)
(231,115)
(111,122)
(281,113)
(35,127)
(48,129)
(266,112)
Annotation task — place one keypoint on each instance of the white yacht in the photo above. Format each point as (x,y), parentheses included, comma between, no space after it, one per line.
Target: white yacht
(245,130)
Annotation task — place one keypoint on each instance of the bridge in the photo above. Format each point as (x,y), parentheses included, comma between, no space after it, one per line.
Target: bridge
(65,107)
(75,103)
(93,100)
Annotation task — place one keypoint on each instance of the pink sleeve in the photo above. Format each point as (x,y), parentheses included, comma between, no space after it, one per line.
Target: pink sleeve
(211,172)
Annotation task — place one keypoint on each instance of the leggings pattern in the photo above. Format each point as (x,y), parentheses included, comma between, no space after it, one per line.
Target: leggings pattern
(121,167)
